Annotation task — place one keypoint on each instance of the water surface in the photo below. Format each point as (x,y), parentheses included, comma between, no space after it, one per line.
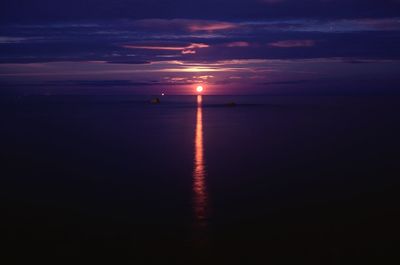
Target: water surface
(192,180)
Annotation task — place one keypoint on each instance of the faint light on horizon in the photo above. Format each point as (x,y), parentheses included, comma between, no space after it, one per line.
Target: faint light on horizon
(199,89)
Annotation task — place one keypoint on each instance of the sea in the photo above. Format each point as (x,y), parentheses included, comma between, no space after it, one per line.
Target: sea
(200,179)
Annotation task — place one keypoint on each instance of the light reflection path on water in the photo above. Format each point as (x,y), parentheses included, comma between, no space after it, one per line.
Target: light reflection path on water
(199,172)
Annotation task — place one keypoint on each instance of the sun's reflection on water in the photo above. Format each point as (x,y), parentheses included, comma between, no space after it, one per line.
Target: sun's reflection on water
(199,172)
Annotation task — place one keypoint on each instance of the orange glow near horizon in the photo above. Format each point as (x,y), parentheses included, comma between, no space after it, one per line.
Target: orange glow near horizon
(199,89)
(199,173)
(199,101)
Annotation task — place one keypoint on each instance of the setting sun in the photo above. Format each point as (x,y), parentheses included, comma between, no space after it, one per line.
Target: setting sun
(199,89)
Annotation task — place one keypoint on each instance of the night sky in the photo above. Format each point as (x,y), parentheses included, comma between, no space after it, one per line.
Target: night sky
(283,47)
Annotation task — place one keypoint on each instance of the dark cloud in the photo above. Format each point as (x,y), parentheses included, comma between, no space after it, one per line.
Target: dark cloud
(293,43)
(131,43)
(98,83)
(291,82)
(48,10)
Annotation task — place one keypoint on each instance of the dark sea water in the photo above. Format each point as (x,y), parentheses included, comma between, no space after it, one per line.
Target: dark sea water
(271,180)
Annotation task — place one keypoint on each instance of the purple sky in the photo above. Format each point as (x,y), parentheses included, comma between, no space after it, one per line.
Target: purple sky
(328,47)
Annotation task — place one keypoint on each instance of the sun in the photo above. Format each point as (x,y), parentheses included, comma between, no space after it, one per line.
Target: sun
(199,89)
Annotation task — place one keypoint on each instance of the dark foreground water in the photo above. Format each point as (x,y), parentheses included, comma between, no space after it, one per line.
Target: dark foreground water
(272,180)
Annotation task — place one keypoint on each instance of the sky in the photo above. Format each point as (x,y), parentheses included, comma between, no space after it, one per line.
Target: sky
(275,47)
